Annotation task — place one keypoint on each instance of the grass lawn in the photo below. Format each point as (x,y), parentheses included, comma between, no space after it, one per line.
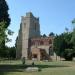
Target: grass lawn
(48,68)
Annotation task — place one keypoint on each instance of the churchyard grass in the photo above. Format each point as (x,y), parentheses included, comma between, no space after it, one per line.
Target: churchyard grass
(15,67)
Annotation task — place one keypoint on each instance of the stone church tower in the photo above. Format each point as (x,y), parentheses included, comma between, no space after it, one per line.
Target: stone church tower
(29,28)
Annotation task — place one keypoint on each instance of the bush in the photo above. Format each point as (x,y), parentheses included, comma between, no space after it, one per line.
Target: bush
(39,69)
(33,64)
(68,54)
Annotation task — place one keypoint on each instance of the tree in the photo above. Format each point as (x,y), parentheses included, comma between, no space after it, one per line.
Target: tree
(66,29)
(59,45)
(73,36)
(51,34)
(12,52)
(4,16)
(4,23)
(2,39)
(44,35)
(2,32)
(4,19)
(73,21)
(68,54)
(63,46)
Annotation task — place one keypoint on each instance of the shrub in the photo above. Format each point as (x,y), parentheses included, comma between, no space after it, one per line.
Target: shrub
(39,69)
(33,64)
(68,54)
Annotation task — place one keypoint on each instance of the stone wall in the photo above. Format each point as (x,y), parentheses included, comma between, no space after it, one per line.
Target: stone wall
(29,28)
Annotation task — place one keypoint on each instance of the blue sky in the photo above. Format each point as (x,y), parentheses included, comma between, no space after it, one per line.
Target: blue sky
(55,15)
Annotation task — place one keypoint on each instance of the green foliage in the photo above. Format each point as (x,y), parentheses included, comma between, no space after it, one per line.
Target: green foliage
(4,16)
(73,21)
(63,46)
(68,54)
(73,34)
(59,45)
(12,52)
(8,52)
(4,22)
(51,34)
(44,35)
(4,19)
(3,39)
(10,32)
(39,69)
(2,32)
(33,64)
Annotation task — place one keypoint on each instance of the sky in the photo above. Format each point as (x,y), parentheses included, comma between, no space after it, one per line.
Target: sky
(54,15)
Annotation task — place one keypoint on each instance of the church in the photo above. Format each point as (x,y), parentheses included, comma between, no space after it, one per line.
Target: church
(29,43)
